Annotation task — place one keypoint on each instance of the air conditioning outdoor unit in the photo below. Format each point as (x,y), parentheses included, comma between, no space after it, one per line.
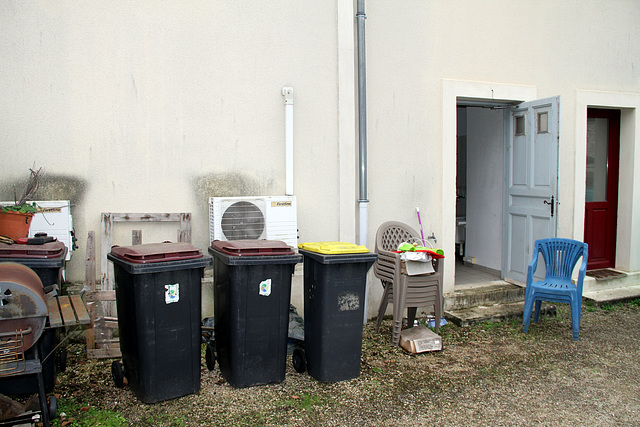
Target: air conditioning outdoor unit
(255,217)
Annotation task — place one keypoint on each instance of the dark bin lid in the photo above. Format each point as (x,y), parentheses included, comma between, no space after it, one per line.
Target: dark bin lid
(252,247)
(54,249)
(156,252)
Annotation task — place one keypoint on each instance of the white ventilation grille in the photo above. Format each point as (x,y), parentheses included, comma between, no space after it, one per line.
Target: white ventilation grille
(258,217)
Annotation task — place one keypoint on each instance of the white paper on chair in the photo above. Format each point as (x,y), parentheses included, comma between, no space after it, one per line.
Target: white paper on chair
(417,267)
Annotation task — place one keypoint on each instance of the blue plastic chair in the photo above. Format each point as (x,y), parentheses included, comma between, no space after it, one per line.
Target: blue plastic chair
(560,258)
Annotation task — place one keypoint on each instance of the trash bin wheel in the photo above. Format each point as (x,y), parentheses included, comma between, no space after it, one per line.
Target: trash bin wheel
(117,374)
(53,407)
(299,360)
(210,357)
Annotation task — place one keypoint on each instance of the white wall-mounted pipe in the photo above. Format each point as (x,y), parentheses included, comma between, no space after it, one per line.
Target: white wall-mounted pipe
(287,92)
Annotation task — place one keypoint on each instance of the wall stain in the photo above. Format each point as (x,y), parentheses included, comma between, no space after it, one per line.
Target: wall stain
(51,187)
(231,184)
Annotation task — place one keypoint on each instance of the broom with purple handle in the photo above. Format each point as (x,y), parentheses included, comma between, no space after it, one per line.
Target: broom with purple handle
(421,232)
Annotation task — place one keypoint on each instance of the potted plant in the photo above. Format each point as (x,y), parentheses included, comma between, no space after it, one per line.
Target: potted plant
(15,219)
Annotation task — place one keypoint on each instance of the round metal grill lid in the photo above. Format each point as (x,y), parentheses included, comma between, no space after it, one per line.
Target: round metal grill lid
(22,302)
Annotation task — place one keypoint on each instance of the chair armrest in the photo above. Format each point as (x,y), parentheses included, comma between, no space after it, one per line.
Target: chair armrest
(583,269)
(533,266)
(387,266)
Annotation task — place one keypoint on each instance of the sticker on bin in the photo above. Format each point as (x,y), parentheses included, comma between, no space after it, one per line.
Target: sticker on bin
(172,293)
(348,301)
(333,248)
(265,288)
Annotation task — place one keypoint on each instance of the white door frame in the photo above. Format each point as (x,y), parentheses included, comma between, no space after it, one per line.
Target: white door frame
(628,237)
(452,90)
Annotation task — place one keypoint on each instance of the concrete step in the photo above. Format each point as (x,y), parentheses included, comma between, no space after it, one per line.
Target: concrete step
(618,279)
(612,295)
(495,312)
(492,313)
(499,300)
(498,292)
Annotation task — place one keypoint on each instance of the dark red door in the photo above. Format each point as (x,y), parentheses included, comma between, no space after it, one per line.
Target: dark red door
(601,208)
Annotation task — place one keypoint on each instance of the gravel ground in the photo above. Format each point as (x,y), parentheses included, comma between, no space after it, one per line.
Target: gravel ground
(489,374)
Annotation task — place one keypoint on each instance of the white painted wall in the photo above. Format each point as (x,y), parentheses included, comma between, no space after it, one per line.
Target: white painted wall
(155,106)
(498,50)
(148,103)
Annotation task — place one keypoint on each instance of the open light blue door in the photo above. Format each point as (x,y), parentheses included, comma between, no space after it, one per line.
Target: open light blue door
(531,182)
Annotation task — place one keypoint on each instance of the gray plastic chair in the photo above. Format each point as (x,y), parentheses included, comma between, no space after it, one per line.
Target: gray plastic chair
(405,292)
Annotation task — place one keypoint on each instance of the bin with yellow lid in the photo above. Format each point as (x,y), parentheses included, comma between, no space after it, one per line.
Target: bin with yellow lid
(335,275)
(333,248)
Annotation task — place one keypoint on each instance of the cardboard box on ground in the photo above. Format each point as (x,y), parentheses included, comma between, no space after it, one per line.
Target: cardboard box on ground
(420,339)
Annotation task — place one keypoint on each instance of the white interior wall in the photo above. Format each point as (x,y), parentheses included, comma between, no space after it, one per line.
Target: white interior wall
(485,147)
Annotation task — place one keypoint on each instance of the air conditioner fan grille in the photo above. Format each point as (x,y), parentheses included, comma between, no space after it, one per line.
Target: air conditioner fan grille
(242,221)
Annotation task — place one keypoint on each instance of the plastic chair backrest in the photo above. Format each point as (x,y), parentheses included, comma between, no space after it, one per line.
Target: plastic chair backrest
(393,233)
(560,256)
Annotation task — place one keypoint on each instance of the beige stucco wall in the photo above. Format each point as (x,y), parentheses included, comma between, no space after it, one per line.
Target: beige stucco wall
(155,106)
(487,50)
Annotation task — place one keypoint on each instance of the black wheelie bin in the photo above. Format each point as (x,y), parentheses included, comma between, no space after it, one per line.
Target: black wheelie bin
(252,289)
(335,276)
(158,297)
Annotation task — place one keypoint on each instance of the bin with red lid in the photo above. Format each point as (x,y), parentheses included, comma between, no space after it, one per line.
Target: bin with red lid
(158,298)
(252,290)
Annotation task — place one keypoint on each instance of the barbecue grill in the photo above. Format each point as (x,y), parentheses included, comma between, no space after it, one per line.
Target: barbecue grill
(23,309)
(23,316)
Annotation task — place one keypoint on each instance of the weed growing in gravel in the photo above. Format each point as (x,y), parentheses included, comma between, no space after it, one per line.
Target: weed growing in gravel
(481,377)
(490,326)
(305,401)
(77,415)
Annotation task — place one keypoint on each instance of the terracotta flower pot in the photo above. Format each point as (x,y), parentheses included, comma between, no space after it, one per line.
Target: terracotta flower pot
(15,225)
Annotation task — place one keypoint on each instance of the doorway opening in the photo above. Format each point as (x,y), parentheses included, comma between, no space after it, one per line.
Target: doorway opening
(479,192)
(601,196)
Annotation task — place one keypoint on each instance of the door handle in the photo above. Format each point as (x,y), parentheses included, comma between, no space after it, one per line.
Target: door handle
(551,203)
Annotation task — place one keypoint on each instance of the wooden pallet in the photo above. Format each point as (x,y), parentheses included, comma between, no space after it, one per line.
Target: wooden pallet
(101,302)
(67,310)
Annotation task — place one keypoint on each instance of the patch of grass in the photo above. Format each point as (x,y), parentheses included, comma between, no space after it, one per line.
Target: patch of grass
(589,306)
(608,306)
(635,302)
(81,416)
(305,401)
(490,326)
(445,331)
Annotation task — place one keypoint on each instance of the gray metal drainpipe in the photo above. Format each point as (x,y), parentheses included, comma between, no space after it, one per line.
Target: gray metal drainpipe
(363,202)
(362,123)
